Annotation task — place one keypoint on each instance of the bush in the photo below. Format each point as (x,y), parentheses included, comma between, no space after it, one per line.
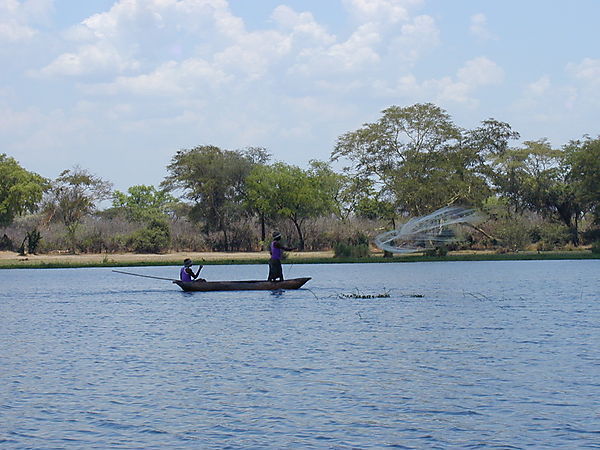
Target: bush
(550,236)
(91,243)
(356,246)
(155,238)
(442,251)
(6,243)
(596,247)
(513,234)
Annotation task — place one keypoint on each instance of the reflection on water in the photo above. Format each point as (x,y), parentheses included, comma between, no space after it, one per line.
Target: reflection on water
(486,354)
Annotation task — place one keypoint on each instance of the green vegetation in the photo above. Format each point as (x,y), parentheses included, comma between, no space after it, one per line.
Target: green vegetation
(20,191)
(410,161)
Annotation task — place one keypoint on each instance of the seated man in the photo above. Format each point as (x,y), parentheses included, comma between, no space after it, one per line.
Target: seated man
(187,274)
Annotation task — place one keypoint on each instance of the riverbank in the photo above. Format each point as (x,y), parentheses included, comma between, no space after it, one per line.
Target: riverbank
(11,260)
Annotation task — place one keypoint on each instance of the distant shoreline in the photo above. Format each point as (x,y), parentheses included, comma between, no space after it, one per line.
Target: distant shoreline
(11,260)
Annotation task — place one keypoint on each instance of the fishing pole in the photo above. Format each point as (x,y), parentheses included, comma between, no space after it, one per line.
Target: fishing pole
(144,276)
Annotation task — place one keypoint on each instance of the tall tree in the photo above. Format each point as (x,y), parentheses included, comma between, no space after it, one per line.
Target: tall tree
(73,196)
(418,157)
(537,177)
(583,159)
(144,203)
(292,193)
(20,190)
(214,180)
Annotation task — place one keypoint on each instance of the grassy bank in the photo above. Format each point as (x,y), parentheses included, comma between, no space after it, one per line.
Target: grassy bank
(14,261)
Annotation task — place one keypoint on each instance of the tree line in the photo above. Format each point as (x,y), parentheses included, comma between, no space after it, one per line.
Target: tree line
(410,162)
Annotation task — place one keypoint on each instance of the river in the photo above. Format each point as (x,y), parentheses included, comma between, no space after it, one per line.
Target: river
(460,354)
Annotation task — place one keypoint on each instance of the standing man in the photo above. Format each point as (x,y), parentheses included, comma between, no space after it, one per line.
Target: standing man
(187,273)
(276,250)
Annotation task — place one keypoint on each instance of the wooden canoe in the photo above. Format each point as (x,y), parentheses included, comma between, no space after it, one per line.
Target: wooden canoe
(249,285)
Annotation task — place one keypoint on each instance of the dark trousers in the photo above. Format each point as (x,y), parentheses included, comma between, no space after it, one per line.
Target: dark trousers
(275,270)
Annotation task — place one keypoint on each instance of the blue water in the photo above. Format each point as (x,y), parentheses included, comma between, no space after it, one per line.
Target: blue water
(474,354)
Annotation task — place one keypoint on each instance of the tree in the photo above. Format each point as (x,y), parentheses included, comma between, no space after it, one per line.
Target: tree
(72,196)
(418,157)
(214,180)
(537,177)
(583,160)
(144,203)
(292,193)
(20,190)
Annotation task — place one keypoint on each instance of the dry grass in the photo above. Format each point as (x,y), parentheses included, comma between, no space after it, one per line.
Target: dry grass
(12,258)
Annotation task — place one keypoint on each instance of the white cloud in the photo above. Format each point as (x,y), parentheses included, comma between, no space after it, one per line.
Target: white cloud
(89,59)
(539,86)
(588,70)
(381,11)
(479,27)
(141,35)
(480,71)
(171,78)
(17,19)
(302,27)
(460,89)
(415,39)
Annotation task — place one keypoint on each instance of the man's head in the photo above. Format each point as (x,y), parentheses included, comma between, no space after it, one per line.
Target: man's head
(187,262)
(276,235)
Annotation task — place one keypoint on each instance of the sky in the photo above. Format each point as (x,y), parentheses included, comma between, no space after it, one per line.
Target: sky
(117,87)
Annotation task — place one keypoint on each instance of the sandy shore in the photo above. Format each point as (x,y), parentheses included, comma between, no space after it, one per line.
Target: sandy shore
(12,258)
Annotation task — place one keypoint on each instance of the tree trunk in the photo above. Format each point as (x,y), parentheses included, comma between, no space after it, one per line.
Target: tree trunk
(300,236)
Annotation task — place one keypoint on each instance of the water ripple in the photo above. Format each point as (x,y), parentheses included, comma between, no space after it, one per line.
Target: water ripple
(461,355)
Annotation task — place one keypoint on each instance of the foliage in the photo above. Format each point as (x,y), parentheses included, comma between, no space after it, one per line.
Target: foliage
(144,203)
(286,191)
(215,181)
(154,238)
(550,236)
(6,243)
(20,191)
(596,247)
(536,177)
(513,234)
(440,251)
(583,158)
(356,246)
(420,159)
(73,196)
(31,242)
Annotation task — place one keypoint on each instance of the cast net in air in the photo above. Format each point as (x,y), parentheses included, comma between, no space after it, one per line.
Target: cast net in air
(426,232)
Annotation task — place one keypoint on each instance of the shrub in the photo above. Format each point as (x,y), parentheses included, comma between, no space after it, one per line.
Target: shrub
(155,238)
(549,236)
(442,251)
(513,234)
(356,246)
(6,243)
(596,247)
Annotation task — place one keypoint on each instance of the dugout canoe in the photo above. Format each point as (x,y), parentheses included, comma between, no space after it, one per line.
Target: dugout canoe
(245,285)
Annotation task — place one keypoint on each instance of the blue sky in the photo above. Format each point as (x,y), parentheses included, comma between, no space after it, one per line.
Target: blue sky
(117,87)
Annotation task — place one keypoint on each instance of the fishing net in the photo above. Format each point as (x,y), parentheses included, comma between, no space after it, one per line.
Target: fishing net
(427,232)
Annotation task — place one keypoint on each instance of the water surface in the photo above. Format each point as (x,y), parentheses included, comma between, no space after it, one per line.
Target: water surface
(462,354)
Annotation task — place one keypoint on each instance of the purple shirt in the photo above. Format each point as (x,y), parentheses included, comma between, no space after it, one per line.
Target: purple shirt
(275,251)
(183,275)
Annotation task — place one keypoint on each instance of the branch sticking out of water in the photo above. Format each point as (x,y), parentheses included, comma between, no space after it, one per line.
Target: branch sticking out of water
(358,294)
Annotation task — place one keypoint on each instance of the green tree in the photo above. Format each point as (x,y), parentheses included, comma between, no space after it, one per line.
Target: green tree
(144,203)
(419,159)
(292,193)
(154,238)
(214,180)
(20,190)
(583,159)
(73,196)
(537,177)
